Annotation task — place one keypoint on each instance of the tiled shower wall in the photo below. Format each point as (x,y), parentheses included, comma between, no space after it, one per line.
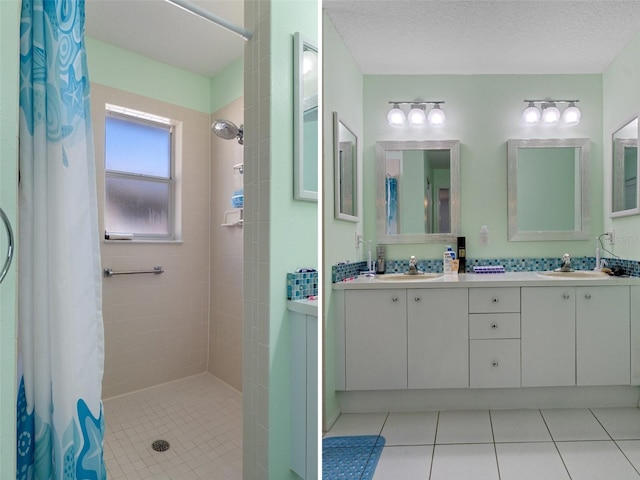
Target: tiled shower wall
(225,336)
(156,326)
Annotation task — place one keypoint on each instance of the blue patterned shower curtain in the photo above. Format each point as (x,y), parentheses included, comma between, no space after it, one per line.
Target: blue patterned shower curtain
(60,329)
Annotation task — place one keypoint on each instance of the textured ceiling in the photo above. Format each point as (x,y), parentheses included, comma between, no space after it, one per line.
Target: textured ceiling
(394,36)
(482,36)
(161,31)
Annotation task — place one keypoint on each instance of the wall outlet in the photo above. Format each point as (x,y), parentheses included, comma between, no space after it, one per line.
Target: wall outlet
(359,239)
(611,236)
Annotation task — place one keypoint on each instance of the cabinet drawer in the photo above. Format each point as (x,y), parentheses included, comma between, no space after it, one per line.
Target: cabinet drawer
(494,325)
(494,363)
(491,300)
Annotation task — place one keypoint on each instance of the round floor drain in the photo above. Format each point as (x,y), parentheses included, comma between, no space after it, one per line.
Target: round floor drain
(160,445)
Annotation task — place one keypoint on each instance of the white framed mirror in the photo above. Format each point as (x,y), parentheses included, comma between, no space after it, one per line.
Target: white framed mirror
(345,157)
(548,189)
(625,164)
(418,191)
(305,119)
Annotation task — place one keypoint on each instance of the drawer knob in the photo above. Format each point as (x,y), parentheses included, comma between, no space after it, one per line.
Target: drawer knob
(588,296)
(494,325)
(495,363)
(566,296)
(417,299)
(495,300)
(394,299)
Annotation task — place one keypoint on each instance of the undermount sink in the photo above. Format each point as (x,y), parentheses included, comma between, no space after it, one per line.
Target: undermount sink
(406,277)
(585,274)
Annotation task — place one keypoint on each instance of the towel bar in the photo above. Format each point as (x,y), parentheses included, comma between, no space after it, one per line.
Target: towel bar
(108,272)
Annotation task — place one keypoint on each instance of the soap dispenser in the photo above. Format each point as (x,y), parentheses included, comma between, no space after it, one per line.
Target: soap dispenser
(447,259)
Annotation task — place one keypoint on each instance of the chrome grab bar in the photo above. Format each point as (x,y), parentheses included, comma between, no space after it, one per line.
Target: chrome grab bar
(7,262)
(108,272)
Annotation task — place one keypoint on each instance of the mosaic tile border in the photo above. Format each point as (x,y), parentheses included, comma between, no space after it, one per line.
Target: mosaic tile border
(349,270)
(302,285)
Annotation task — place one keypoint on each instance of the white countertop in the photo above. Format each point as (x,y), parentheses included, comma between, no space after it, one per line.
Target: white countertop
(306,307)
(509,279)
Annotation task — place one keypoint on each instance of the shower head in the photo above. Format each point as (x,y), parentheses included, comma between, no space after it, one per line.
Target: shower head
(228,130)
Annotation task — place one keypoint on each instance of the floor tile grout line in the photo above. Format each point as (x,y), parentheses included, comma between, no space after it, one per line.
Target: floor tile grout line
(433,450)
(615,442)
(495,449)
(555,444)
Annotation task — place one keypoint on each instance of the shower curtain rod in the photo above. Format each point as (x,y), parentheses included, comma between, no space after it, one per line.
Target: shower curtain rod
(212,17)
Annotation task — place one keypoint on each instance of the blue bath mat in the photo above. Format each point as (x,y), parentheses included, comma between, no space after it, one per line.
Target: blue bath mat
(353,458)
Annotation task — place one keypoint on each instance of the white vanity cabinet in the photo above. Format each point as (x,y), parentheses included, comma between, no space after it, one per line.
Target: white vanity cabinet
(438,338)
(376,339)
(603,325)
(575,336)
(548,336)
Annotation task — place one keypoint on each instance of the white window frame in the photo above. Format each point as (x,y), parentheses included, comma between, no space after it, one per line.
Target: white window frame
(174,180)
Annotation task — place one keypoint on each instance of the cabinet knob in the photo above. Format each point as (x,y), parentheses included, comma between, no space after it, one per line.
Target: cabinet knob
(588,296)
(417,299)
(495,300)
(394,299)
(495,363)
(494,325)
(566,296)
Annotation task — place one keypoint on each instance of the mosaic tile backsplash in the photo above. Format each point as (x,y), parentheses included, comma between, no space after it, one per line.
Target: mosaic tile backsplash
(301,285)
(349,270)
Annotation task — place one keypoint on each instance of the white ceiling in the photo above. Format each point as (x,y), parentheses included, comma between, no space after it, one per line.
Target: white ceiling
(394,36)
(484,36)
(161,31)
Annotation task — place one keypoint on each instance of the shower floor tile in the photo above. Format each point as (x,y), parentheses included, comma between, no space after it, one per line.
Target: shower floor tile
(200,417)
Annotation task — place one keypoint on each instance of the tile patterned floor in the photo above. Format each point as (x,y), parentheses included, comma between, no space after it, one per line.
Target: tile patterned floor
(201,418)
(550,444)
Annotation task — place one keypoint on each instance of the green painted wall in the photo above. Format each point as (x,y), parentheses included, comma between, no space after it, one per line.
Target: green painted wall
(621,102)
(343,93)
(293,224)
(9,51)
(483,112)
(228,85)
(125,70)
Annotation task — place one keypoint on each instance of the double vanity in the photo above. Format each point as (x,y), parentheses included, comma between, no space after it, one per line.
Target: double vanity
(477,331)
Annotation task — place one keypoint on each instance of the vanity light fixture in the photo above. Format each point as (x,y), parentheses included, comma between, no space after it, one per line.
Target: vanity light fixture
(417,115)
(547,112)
(396,117)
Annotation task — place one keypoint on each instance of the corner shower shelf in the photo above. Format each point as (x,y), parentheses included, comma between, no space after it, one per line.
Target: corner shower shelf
(233,218)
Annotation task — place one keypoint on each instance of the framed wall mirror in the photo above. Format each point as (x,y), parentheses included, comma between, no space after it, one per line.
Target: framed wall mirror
(418,191)
(305,119)
(624,171)
(345,171)
(548,189)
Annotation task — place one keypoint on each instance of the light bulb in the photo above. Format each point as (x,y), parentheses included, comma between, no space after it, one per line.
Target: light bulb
(436,116)
(531,114)
(416,115)
(309,62)
(396,117)
(551,114)
(571,116)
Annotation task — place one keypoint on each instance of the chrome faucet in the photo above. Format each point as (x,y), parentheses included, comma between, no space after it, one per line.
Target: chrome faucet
(413,265)
(566,263)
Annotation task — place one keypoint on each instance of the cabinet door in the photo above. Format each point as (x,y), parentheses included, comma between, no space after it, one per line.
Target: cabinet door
(603,335)
(438,341)
(548,336)
(376,339)
(495,363)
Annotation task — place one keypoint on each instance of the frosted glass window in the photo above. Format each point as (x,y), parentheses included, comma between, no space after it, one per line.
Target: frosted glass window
(138,176)
(137,206)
